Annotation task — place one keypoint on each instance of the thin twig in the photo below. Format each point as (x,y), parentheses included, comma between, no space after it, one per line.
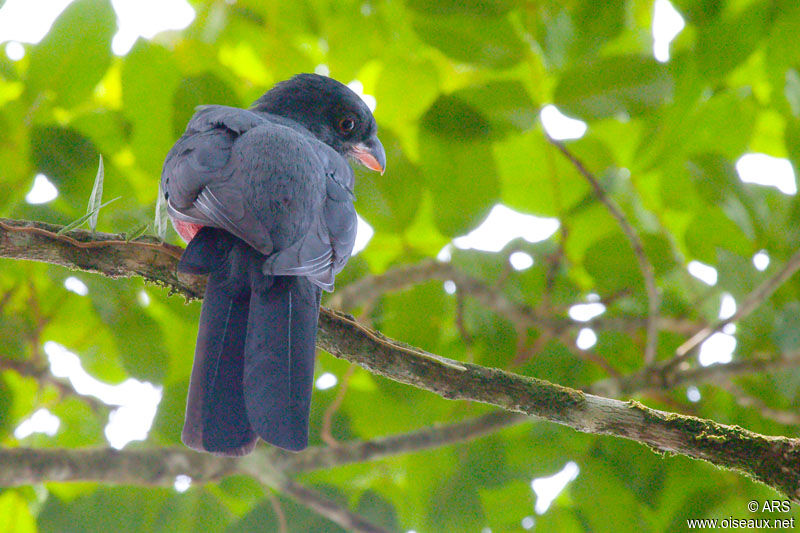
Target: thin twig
(159,466)
(7,297)
(370,288)
(329,509)
(781,416)
(326,434)
(324,457)
(753,300)
(648,379)
(648,273)
(42,374)
(283,526)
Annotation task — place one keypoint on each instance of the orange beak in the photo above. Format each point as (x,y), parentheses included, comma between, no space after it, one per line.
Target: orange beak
(371,155)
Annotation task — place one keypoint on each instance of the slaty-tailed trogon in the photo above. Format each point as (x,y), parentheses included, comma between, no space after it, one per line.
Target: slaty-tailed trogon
(264,197)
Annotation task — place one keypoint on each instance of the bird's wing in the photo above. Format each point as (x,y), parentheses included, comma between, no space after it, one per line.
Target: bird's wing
(272,185)
(340,218)
(199,182)
(321,252)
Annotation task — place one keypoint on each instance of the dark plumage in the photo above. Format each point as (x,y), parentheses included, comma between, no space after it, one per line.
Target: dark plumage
(273,193)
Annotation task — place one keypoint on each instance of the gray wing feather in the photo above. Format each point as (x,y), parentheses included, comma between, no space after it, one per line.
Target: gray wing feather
(228,157)
(340,219)
(324,250)
(199,185)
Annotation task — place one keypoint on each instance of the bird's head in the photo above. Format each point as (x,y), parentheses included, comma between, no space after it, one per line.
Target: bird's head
(332,112)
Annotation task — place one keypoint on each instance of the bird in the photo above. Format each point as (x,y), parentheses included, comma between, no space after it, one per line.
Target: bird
(264,199)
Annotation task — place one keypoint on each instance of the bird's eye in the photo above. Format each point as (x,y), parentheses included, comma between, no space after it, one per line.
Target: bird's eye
(346,125)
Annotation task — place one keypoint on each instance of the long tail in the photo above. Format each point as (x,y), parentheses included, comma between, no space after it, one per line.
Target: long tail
(254,360)
(216,417)
(279,360)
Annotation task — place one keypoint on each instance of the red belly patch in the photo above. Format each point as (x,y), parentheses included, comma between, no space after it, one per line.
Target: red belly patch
(186,230)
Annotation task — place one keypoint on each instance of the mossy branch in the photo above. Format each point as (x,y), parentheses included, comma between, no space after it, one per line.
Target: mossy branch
(774,461)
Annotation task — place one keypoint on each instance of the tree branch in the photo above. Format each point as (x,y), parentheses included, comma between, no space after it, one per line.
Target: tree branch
(647,379)
(328,508)
(771,460)
(43,376)
(753,300)
(324,457)
(648,273)
(781,416)
(402,277)
(28,466)
(101,253)
(160,467)
(398,278)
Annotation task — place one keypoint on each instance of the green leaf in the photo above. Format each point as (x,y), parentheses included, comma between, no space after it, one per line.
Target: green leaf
(168,421)
(599,492)
(711,229)
(399,309)
(780,53)
(455,506)
(792,141)
(405,89)
(463,179)
(17,517)
(792,91)
(136,232)
(6,401)
(485,462)
(205,89)
(721,124)
(150,76)
(613,264)
(96,197)
(614,85)
(263,518)
(106,129)
(601,21)
(80,424)
(122,509)
(716,179)
(451,118)
(506,505)
(465,7)
(506,105)
(66,157)
(389,201)
(786,331)
(563,520)
(536,178)
(78,223)
(728,42)
(488,42)
(75,54)
(138,337)
(558,363)
(161,218)
(194,510)
(377,510)
(699,12)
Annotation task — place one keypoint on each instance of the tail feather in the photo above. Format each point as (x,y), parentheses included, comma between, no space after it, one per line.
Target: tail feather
(254,360)
(216,417)
(279,360)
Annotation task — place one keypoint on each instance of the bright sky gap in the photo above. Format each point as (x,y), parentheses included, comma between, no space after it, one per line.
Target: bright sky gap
(28,21)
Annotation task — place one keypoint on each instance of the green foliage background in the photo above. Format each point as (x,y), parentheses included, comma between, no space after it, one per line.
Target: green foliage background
(459,86)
